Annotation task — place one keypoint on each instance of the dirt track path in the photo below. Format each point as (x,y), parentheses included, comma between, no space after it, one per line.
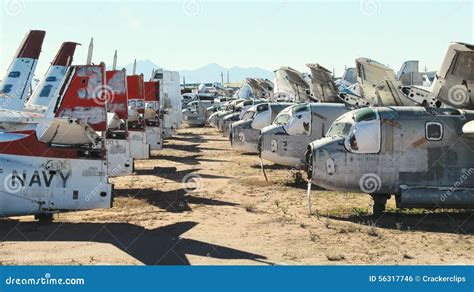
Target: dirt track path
(233,217)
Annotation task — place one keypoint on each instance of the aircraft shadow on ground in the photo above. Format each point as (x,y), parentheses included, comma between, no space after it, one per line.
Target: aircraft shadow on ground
(188,160)
(193,148)
(173,174)
(160,246)
(192,139)
(440,222)
(271,166)
(175,201)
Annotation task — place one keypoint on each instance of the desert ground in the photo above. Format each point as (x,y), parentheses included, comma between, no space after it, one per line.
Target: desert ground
(225,213)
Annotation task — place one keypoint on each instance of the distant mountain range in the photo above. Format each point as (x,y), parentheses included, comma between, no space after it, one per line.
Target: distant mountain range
(207,73)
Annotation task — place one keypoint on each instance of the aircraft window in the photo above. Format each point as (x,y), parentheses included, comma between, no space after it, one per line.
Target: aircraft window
(245,92)
(365,114)
(350,75)
(14,74)
(46,91)
(464,67)
(51,79)
(299,123)
(262,107)
(282,119)
(364,137)
(7,88)
(339,129)
(300,108)
(434,131)
(248,115)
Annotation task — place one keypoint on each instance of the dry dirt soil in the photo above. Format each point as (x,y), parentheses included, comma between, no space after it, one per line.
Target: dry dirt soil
(225,213)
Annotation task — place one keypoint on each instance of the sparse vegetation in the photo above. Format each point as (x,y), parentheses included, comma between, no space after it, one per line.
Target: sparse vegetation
(251,208)
(334,257)
(313,236)
(373,231)
(408,256)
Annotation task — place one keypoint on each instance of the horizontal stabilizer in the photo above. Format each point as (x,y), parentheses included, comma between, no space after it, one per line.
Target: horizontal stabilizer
(62,131)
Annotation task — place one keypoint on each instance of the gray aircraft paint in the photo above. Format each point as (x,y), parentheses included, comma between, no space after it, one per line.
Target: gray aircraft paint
(282,146)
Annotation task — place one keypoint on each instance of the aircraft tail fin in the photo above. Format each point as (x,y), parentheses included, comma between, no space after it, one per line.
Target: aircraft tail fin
(51,81)
(454,82)
(322,85)
(17,81)
(83,96)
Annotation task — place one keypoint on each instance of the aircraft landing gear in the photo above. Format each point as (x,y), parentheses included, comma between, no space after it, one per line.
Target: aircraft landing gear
(380,200)
(44,218)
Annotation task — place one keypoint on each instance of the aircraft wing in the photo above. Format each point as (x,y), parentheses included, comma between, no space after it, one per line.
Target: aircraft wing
(19,117)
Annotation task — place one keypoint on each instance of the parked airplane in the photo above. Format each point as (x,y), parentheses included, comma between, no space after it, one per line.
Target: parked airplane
(419,155)
(285,141)
(153,125)
(139,147)
(118,144)
(244,134)
(60,166)
(196,112)
(170,97)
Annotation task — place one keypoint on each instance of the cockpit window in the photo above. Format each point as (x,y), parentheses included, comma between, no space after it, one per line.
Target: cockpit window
(248,115)
(339,129)
(364,137)
(245,92)
(262,107)
(282,119)
(300,108)
(365,114)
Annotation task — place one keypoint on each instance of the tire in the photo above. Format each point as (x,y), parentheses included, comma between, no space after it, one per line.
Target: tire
(380,200)
(44,218)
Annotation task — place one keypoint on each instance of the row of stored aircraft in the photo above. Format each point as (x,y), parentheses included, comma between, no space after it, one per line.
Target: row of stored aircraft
(82,124)
(409,135)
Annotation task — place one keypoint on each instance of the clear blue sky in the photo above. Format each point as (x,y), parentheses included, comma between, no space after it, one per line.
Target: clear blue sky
(268,34)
